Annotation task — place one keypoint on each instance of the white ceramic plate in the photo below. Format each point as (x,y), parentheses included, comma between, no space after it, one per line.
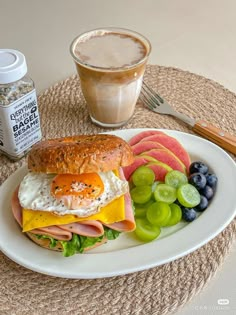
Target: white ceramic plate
(126,254)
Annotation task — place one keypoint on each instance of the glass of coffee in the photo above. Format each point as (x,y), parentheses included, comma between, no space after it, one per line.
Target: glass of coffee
(110,63)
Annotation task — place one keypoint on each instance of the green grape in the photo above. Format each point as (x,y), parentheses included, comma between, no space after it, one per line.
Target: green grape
(143,176)
(158,213)
(145,231)
(140,212)
(176,215)
(141,209)
(141,194)
(154,185)
(176,179)
(165,193)
(188,196)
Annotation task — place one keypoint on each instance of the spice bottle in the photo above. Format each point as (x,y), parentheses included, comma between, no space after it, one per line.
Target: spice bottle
(19,117)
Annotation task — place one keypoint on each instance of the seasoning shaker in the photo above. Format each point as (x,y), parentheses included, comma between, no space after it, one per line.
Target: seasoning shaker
(19,116)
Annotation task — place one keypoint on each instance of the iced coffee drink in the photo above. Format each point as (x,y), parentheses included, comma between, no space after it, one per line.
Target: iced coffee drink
(110,63)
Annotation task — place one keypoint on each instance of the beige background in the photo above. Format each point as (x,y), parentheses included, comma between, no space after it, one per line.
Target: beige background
(198,36)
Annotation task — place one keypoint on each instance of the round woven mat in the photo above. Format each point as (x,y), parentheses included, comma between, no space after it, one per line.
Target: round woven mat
(159,290)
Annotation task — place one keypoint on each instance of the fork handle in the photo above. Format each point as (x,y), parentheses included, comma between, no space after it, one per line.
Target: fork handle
(216,135)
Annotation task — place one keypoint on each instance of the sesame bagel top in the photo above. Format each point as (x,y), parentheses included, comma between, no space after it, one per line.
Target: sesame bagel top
(80,154)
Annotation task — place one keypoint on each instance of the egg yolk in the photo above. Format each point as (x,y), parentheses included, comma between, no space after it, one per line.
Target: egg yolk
(86,186)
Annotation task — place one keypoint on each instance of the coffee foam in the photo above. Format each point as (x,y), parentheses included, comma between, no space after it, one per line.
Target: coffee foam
(110,50)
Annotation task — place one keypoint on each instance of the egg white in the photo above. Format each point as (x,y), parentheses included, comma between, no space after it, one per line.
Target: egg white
(34,193)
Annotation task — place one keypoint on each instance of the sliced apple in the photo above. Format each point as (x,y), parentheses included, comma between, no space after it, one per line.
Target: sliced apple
(160,170)
(166,157)
(143,134)
(143,146)
(138,161)
(173,145)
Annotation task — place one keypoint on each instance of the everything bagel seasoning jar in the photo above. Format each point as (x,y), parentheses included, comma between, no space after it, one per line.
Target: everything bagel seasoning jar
(19,117)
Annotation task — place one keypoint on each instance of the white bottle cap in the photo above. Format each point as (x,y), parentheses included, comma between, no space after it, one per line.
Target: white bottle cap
(12,66)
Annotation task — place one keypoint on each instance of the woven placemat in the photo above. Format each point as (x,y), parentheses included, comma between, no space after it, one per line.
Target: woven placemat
(159,290)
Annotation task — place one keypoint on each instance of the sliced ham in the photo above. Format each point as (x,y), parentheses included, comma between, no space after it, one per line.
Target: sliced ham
(140,136)
(90,228)
(64,232)
(128,224)
(54,232)
(16,207)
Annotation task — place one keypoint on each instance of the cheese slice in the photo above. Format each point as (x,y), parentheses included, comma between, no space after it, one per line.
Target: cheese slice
(113,212)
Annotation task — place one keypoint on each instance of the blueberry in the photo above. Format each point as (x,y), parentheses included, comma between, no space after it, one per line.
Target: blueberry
(189,214)
(198,167)
(202,205)
(198,180)
(211,180)
(207,191)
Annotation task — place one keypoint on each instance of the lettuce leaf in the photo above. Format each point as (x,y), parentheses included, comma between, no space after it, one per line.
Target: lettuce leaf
(79,243)
(53,242)
(110,234)
(87,242)
(71,247)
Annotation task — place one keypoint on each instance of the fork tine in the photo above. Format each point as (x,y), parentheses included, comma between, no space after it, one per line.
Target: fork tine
(149,98)
(152,93)
(147,101)
(157,104)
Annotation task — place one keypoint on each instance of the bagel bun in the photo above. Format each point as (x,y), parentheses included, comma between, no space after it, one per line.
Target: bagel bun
(80,154)
(45,243)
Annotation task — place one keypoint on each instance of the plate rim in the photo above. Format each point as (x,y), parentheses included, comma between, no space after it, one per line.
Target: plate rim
(112,256)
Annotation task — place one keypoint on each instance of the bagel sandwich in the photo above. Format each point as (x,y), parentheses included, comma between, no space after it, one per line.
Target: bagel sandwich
(75,196)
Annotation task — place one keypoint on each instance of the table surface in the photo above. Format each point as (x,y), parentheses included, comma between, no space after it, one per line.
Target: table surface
(197,36)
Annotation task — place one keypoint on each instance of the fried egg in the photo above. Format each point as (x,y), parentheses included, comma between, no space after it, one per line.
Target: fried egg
(70,194)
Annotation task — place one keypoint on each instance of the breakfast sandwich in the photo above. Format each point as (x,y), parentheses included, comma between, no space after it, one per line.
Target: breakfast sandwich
(75,196)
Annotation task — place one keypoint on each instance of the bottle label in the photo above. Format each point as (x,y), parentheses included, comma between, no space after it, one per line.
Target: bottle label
(19,125)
